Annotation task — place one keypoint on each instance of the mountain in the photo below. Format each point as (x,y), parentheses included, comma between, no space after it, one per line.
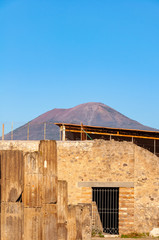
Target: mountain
(92,113)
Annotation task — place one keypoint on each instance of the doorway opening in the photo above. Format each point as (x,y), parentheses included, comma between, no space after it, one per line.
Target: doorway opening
(107,201)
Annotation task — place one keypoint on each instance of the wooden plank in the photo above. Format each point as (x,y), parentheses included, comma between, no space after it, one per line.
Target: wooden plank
(62,231)
(12,224)
(112,134)
(11,175)
(71,224)
(33,180)
(32,224)
(48,153)
(49,227)
(62,202)
(83,134)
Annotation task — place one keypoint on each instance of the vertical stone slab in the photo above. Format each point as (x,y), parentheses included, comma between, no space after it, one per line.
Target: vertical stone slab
(62,202)
(11,175)
(12,221)
(32,224)
(33,180)
(48,153)
(71,224)
(62,231)
(49,193)
(50,222)
(79,222)
(87,222)
(96,221)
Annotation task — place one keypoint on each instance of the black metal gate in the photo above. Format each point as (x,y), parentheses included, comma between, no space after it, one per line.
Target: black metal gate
(107,201)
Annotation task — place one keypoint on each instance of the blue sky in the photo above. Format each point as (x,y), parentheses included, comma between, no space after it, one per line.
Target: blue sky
(58,54)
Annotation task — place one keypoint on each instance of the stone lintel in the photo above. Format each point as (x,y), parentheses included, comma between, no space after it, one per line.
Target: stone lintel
(106,184)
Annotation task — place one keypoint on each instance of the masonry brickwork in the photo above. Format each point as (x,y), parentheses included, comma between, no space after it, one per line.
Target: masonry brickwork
(126,210)
(109,162)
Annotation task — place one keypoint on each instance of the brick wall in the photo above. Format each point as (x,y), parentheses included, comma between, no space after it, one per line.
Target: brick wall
(126,210)
(85,195)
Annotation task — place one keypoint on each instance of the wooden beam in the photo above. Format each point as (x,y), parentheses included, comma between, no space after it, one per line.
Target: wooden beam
(113,134)
(63,133)
(83,134)
(154,146)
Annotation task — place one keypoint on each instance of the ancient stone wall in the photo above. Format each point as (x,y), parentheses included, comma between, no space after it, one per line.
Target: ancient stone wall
(25,146)
(83,164)
(146,190)
(94,161)
(29,193)
(33,204)
(108,163)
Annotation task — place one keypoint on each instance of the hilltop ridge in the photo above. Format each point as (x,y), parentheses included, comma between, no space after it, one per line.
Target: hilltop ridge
(91,113)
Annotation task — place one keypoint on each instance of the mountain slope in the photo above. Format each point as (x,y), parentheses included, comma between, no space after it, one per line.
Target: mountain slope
(95,114)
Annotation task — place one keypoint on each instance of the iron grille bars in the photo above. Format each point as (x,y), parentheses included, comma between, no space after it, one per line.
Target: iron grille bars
(107,201)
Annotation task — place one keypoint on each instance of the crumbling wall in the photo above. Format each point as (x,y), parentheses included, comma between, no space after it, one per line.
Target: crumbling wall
(80,222)
(29,193)
(34,204)
(12,211)
(40,192)
(146,190)
(114,162)
(108,162)
(96,221)
(25,146)
(93,161)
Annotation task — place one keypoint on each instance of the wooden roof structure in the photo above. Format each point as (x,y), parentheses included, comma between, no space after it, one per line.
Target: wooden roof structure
(144,138)
(109,131)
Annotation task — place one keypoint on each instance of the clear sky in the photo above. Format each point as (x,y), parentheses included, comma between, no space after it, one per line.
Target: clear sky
(61,53)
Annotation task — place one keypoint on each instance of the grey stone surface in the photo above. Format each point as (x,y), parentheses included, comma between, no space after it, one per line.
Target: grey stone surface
(106,184)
